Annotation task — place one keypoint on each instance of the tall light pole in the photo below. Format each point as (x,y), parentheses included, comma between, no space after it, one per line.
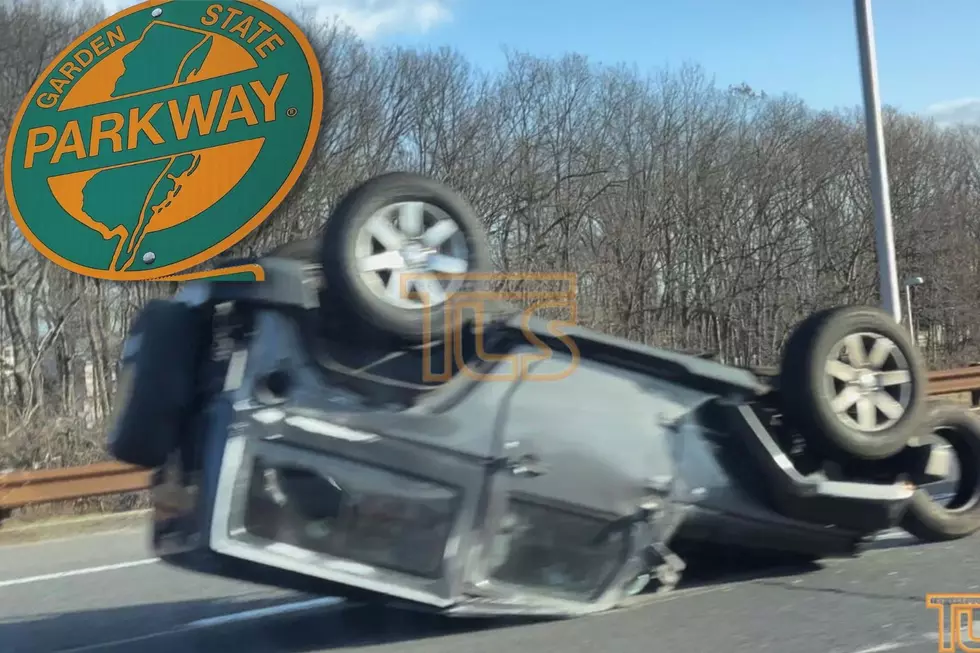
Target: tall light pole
(880,195)
(909,282)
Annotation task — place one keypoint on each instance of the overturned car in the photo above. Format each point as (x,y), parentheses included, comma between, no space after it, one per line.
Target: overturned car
(298,439)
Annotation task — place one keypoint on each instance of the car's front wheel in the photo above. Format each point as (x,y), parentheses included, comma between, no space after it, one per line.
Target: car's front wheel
(853,384)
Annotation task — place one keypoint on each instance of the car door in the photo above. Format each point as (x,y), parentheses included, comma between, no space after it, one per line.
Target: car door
(584,450)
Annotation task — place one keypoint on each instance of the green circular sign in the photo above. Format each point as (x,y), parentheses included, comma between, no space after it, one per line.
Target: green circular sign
(163,136)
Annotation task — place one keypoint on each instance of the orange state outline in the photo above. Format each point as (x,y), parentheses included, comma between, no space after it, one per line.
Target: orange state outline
(231,240)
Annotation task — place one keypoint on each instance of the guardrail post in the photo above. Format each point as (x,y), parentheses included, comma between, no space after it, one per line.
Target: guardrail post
(975,394)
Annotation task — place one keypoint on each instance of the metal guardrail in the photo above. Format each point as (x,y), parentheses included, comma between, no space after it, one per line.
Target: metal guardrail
(950,382)
(941,382)
(25,488)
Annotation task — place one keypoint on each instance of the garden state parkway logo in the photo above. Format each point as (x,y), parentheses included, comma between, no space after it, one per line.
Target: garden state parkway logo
(162,137)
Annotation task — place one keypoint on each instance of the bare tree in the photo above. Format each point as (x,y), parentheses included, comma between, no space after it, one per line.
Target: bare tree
(696,217)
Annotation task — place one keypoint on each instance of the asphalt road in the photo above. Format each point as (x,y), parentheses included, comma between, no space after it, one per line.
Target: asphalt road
(104,594)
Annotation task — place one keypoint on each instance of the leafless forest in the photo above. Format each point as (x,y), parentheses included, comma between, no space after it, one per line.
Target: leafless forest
(697,217)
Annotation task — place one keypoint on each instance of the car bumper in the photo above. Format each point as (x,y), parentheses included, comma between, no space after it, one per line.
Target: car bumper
(859,507)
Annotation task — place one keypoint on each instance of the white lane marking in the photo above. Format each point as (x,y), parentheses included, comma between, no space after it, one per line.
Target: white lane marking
(643,600)
(881,648)
(135,529)
(924,637)
(118,642)
(261,613)
(214,622)
(895,534)
(77,572)
(127,522)
(76,521)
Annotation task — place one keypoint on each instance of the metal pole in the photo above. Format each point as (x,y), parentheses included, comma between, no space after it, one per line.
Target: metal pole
(880,195)
(908,305)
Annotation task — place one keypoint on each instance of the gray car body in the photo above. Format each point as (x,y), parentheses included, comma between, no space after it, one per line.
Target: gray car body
(660,447)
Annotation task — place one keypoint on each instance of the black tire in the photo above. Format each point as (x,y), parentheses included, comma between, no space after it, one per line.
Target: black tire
(807,402)
(931,521)
(155,392)
(337,254)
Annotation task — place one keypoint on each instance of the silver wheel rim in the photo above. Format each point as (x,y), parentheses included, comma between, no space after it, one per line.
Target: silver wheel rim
(412,255)
(946,491)
(869,381)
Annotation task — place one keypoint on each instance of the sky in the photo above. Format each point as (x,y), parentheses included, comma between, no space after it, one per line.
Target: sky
(928,52)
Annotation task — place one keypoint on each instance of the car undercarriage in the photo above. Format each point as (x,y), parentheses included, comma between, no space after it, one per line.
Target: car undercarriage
(299,442)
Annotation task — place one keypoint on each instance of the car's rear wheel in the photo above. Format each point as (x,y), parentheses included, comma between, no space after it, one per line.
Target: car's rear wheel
(396,249)
(853,384)
(952,510)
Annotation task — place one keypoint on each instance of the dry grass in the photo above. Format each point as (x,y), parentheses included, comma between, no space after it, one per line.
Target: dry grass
(67,510)
(960,399)
(17,531)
